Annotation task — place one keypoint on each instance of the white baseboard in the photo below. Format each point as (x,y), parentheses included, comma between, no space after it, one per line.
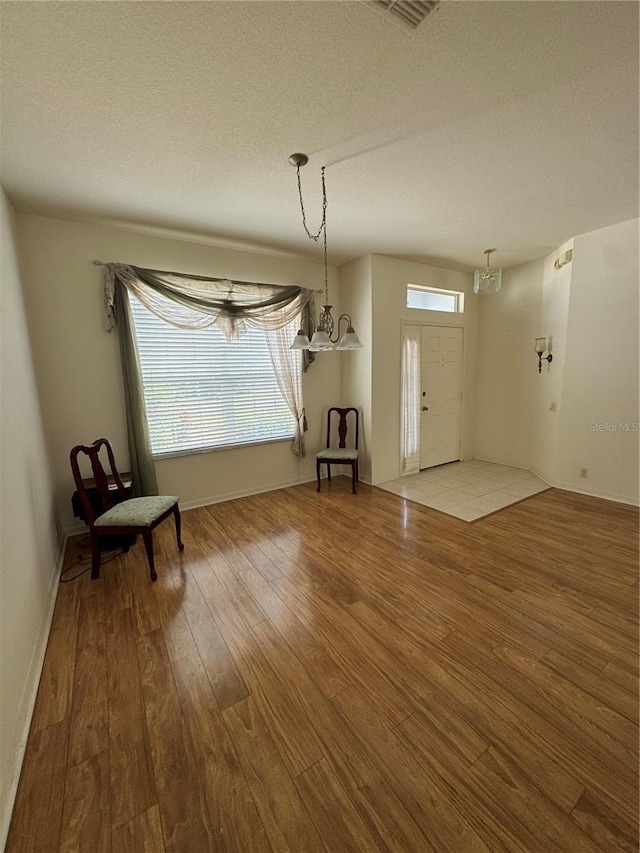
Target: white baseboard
(243,493)
(631,500)
(76,530)
(29,694)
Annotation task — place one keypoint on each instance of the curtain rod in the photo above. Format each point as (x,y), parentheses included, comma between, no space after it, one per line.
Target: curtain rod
(203,277)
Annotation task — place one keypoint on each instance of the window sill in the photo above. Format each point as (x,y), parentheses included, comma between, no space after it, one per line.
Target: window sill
(172,454)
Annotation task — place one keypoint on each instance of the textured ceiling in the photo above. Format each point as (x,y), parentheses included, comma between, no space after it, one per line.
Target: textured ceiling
(508,124)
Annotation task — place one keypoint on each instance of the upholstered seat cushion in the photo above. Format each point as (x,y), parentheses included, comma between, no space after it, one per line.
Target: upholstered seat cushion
(345,453)
(136,512)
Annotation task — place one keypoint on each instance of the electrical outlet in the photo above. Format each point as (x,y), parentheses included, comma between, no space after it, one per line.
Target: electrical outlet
(584,473)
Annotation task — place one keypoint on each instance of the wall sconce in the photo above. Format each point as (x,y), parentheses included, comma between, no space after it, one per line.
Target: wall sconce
(541,347)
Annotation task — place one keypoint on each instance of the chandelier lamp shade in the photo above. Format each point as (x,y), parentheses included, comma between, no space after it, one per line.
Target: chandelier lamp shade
(322,339)
(487,279)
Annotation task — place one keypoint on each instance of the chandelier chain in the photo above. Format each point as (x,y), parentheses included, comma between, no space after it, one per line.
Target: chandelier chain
(323,223)
(321,230)
(325,326)
(324,236)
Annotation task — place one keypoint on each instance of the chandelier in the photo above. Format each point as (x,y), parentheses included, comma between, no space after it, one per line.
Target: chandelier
(489,279)
(323,329)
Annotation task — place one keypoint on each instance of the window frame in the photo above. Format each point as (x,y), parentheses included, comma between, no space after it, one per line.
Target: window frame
(136,308)
(458,296)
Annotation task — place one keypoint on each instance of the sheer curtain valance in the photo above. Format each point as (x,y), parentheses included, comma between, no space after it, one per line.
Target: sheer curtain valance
(198,302)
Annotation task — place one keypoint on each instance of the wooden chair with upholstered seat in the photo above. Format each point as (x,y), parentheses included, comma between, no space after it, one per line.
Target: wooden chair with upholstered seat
(340,455)
(122,516)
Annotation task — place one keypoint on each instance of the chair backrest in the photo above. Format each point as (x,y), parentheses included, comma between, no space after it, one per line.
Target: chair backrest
(343,426)
(101,477)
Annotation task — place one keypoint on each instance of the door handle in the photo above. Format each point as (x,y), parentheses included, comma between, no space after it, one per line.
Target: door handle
(425,408)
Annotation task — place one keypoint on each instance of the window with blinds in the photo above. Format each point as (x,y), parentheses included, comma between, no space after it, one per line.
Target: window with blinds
(203,392)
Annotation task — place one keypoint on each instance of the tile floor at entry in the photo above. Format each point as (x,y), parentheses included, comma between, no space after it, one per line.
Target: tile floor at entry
(467,490)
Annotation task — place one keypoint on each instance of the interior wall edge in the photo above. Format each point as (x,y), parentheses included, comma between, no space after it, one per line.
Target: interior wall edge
(28,701)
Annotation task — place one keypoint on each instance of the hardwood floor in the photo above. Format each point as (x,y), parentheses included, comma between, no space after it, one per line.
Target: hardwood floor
(329,672)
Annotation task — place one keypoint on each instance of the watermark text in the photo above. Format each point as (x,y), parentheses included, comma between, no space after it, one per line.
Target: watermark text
(621,426)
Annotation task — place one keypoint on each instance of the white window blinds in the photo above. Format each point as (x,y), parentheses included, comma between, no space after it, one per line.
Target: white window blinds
(203,392)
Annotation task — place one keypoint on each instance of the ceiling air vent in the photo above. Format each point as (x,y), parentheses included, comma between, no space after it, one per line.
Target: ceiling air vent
(408,13)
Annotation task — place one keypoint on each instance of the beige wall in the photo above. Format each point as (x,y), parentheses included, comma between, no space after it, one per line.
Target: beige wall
(29,542)
(589,309)
(515,424)
(389,299)
(355,288)
(547,400)
(601,372)
(78,367)
(507,377)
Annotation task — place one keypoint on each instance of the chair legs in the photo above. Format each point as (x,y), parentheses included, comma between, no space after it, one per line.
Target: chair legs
(176,516)
(318,463)
(95,558)
(127,537)
(354,473)
(147,538)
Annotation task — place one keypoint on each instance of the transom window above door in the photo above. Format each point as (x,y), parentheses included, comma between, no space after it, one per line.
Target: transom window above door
(434,299)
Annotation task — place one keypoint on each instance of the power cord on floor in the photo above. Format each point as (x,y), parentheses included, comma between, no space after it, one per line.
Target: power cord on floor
(84,543)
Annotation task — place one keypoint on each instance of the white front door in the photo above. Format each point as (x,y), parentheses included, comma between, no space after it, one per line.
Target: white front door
(440,395)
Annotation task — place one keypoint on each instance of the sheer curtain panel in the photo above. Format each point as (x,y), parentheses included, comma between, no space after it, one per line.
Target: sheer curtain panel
(410,449)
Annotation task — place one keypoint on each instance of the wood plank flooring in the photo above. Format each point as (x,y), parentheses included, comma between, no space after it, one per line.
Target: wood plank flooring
(329,672)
